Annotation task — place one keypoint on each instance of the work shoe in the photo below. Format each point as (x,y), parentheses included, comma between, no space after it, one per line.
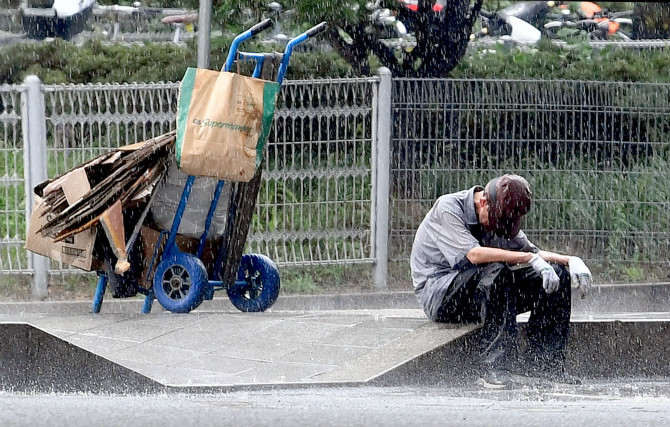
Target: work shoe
(495,379)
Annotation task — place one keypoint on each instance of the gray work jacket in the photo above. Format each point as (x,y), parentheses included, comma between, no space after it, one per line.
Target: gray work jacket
(447,233)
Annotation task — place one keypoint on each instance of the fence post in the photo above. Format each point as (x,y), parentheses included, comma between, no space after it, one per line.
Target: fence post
(34,168)
(204,25)
(381,178)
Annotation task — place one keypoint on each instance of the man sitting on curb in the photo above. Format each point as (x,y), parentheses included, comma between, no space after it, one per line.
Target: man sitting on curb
(471,262)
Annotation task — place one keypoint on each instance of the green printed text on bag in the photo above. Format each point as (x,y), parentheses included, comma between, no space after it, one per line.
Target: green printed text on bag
(223,122)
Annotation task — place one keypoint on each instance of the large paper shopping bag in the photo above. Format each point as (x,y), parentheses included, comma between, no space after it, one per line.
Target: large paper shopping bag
(223,122)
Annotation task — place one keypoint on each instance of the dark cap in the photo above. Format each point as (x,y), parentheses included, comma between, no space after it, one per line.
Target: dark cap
(509,199)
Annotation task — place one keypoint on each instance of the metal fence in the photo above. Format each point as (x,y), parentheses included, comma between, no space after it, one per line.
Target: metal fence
(12,195)
(595,153)
(315,203)
(84,121)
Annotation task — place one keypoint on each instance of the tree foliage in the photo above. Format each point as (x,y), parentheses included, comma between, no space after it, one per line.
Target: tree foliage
(574,62)
(441,38)
(653,20)
(95,61)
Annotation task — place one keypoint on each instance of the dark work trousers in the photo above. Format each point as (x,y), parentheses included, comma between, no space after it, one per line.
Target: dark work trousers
(493,295)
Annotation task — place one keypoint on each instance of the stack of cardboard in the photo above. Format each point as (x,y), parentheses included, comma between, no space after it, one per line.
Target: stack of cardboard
(68,208)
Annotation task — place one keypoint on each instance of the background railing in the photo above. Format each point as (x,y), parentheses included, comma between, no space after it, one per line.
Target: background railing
(12,187)
(315,203)
(596,155)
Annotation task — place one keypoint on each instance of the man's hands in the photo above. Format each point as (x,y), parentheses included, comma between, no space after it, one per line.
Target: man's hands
(550,281)
(580,275)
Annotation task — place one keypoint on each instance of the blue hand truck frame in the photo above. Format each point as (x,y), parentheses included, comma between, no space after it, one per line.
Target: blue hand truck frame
(180,281)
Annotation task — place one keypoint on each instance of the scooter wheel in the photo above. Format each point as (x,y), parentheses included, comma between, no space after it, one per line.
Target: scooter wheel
(257,285)
(179,282)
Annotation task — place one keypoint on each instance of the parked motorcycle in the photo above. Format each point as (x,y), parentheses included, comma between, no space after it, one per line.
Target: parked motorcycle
(594,21)
(383,19)
(518,22)
(407,12)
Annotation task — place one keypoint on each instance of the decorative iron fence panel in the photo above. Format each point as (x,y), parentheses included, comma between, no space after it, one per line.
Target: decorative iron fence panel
(12,194)
(316,203)
(84,121)
(595,153)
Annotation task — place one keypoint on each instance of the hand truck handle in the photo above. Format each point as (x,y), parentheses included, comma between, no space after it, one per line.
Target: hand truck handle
(232,53)
(319,28)
(261,26)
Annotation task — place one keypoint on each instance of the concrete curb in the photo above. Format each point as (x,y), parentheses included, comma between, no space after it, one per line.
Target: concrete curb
(304,340)
(624,298)
(381,300)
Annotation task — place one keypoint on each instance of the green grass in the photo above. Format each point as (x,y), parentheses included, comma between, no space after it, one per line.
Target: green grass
(299,284)
(12,198)
(15,288)
(626,216)
(79,286)
(615,216)
(348,278)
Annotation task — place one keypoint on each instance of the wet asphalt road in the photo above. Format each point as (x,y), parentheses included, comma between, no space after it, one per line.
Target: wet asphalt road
(604,404)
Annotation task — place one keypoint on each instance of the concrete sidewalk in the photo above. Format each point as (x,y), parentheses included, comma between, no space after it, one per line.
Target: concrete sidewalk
(226,348)
(303,340)
(606,298)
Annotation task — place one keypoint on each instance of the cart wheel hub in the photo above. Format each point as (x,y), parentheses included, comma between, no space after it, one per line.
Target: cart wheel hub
(176,283)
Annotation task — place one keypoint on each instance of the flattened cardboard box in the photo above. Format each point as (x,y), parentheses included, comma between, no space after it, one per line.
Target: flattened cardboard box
(76,250)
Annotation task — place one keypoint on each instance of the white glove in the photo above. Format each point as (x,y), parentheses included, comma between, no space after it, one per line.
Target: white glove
(550,281)
(580,275)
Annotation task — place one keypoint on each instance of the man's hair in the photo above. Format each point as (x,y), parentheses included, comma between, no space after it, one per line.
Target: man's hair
(509,198)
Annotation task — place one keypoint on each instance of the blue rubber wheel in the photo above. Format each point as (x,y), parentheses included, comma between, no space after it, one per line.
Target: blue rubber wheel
(257,285)
(179,282)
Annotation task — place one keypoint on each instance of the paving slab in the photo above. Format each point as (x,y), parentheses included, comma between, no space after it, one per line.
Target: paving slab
(224,349)
(388,342)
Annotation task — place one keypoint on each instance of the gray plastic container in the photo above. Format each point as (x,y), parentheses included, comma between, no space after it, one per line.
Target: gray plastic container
(168,195)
